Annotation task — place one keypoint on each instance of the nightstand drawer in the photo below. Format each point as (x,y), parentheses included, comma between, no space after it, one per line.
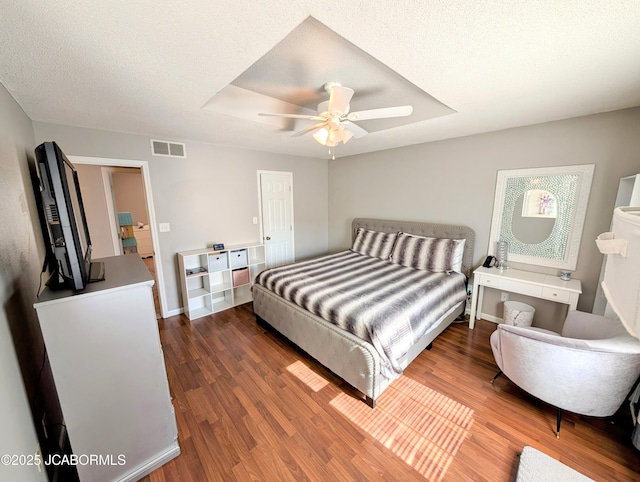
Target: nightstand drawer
(512,285)
(556,295)
(490,281)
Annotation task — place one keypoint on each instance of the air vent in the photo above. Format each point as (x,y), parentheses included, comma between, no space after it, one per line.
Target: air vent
(168,149)
(52,213)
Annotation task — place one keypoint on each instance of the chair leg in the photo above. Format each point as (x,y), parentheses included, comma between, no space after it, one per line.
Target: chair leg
(558,422)
(497,376)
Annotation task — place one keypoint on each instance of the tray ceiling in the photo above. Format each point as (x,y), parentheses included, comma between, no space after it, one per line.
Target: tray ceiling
(203,70)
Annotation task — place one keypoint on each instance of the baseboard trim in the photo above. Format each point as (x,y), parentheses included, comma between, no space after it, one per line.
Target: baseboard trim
(152,464)
(491,318)
(175,312)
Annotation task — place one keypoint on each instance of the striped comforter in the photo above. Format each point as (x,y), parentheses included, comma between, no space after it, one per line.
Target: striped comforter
(388,305)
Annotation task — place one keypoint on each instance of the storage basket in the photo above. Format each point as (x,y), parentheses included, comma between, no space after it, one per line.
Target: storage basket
(240,276)
(238,258)
(218,262)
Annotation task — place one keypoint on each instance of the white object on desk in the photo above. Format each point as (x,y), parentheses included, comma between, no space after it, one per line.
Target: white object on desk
(538,285)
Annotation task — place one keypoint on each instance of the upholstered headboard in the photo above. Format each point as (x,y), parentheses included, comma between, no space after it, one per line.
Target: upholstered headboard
(423,229)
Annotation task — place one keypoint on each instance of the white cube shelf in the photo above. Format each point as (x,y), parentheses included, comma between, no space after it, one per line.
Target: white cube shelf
(207,282)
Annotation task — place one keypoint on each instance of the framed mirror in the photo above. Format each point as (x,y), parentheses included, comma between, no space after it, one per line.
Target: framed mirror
(540,214)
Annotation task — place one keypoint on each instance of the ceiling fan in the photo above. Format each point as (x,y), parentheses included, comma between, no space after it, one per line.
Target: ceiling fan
(334,122)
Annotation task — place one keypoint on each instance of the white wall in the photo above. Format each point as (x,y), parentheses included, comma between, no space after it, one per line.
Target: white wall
(21,255)
(453,181)
(210,196)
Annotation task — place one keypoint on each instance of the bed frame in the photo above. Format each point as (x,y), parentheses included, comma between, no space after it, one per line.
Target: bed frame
(354,360)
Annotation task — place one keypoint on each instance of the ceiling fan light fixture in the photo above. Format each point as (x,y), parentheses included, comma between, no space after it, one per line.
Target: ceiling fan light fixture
(322,136)
(332,136)
(339,134)
(346,135)
(335,121)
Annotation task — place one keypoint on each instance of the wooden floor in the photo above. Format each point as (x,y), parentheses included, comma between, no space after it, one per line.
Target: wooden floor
(250,406)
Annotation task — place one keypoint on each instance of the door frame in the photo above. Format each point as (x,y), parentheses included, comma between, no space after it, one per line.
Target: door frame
(153,226)
(260,217)
(111,212)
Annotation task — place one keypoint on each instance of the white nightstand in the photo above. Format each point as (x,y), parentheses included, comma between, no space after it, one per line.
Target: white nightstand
(538,285)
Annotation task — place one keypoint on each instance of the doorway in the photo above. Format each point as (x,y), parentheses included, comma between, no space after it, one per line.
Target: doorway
(124,191)
(276,214)
(154,262)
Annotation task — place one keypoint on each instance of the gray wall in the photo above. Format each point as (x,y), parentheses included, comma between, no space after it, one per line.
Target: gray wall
(21,256)
(453,181)
(212,195)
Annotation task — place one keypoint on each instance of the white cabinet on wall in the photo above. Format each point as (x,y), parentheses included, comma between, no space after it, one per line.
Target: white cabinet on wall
(214,281)
(628,195)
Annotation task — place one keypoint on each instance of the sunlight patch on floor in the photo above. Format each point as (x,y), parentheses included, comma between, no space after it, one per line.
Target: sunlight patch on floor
(307,376)
(420,425)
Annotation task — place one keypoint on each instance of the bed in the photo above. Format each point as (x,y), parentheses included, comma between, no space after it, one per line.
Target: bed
(325,329)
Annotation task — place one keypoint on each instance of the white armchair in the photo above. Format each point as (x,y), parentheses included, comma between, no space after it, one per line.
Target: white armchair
(588,369)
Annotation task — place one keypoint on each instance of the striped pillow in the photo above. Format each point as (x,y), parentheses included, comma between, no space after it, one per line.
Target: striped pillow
(431,254)
(374,243)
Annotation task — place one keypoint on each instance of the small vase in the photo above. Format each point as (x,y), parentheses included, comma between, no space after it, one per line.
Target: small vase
(501,254)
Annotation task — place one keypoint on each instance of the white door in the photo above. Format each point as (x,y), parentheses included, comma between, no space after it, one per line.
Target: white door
(276,205)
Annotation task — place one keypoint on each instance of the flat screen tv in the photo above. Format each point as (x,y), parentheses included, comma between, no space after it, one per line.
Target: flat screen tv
(66,231)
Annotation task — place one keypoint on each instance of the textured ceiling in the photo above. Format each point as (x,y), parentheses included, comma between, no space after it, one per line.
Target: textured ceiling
(202,70)
(296,69)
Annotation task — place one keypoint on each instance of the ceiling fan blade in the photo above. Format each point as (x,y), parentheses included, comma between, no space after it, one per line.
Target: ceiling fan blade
(339,99)
(356,130)
(293,116)
(309,129)
(383,113)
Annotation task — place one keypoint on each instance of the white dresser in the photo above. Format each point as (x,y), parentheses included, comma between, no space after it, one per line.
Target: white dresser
(143,238)
(105,354)
(538,285)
